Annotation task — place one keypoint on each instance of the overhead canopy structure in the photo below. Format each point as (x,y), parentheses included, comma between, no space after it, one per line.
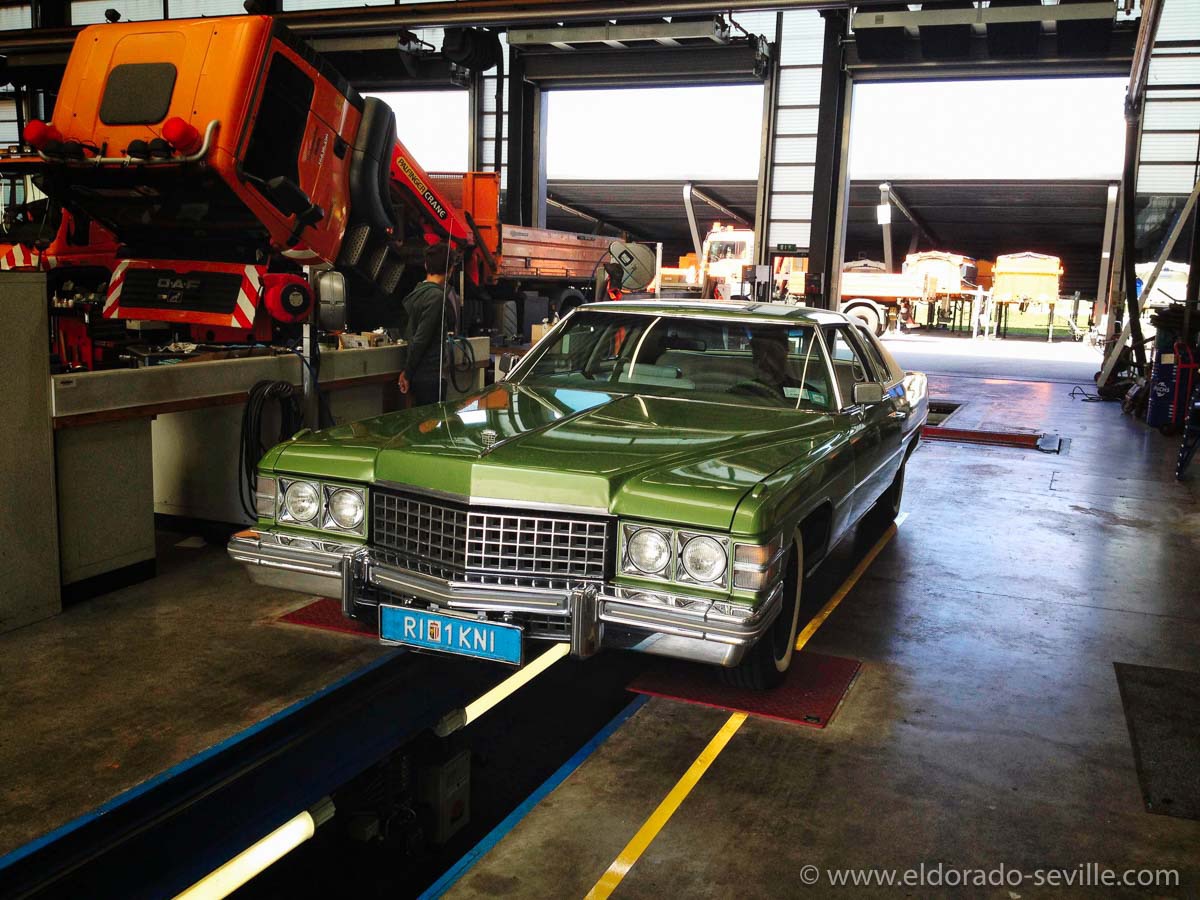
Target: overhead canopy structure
(977,218)
(987,218)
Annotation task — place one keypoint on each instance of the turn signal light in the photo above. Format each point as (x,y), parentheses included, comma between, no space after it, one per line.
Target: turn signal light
(183,136)
(38,134)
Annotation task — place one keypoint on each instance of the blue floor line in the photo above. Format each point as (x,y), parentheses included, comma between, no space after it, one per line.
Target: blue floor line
(497,834)
(108,806)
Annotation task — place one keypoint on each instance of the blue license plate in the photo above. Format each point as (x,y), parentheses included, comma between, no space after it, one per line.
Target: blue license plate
(451,634)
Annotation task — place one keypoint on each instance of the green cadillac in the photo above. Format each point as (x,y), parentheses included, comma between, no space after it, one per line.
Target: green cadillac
(652,476)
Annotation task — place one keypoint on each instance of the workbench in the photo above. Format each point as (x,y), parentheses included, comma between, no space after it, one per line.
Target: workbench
(165,439)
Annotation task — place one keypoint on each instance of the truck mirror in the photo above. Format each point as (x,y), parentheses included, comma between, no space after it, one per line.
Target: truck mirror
(507,362)
(288,196)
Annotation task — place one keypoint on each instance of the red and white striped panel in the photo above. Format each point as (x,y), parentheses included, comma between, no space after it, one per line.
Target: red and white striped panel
(247,301)
(112,307)
(19,257)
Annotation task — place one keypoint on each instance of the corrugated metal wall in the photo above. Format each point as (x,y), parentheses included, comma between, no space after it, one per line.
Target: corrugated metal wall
(1169,162)
(798,93)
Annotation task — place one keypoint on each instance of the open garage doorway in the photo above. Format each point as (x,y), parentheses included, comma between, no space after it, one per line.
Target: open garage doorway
(983,209)
(629,161)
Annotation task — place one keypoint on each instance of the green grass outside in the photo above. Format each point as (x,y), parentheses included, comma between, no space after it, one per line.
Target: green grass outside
(1033,322)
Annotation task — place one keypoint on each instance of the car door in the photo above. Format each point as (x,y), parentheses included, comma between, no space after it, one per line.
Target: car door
(852,367)
(894,426)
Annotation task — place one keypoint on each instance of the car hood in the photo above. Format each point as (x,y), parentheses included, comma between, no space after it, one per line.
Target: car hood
(635,455)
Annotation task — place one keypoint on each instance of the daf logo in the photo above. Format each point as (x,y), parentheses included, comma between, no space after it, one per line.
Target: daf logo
(178,284)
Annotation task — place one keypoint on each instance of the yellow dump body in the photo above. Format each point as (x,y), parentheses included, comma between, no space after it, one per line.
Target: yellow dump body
(1026,278)
(945,269)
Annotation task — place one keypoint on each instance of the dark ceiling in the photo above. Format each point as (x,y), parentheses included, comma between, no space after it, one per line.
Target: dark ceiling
(977,218)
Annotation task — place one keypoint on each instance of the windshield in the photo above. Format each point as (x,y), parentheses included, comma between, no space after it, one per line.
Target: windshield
(719,250)
(765,364)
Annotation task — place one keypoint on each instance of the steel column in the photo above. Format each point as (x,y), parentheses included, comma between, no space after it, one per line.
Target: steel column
(831,125)
(1133,121)
(520,143)
(885,202)
(1193,282)
(766,156)
(1106,255)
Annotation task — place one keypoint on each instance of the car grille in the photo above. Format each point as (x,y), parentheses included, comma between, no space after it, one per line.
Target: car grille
(489,546)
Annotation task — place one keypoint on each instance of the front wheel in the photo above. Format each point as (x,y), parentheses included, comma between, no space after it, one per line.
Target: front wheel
(766,663)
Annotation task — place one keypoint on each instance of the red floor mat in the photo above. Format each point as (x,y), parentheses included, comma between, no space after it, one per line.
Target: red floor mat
(810,695)
(327,615)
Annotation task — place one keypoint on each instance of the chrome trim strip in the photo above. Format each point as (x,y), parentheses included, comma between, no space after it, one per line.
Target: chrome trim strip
(478,598)
(472,500)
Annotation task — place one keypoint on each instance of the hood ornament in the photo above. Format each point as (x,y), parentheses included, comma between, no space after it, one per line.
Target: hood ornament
(489,437)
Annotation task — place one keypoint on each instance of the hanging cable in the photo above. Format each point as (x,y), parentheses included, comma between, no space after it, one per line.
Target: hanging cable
(253,447)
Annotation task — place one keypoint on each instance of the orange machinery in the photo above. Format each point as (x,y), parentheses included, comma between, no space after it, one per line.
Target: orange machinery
(224,156)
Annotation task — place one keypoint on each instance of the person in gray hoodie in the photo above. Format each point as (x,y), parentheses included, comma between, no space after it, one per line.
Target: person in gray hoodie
(429,311)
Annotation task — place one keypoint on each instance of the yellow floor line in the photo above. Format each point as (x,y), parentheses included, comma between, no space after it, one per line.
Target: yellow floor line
(848,585)
(649,831)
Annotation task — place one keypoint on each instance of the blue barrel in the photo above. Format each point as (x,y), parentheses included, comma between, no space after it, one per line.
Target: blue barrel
(1162,388)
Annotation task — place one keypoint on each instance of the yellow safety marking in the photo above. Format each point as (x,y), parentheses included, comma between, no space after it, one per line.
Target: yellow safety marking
(848,585)
(649,831)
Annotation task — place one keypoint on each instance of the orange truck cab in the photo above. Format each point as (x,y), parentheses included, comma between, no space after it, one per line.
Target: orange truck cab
(224,155)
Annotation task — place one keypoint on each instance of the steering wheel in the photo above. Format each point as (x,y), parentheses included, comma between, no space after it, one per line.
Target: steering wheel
(756,389)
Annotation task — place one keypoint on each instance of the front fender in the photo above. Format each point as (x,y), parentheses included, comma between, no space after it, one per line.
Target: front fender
(786,496)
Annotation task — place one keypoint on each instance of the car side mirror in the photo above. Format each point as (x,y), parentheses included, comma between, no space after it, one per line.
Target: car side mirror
(506,363)
(868,392)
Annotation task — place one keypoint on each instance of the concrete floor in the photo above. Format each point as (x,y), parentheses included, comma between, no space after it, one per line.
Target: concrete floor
(1030,359)
(986,726)
(120,688)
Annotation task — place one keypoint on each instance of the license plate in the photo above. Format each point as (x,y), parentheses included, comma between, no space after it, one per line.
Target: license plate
(451,634)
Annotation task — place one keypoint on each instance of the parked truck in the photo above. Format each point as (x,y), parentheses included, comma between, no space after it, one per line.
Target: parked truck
(238,195)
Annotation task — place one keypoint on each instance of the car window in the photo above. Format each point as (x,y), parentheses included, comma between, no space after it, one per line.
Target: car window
(873,356)
(761,363)
(848,363)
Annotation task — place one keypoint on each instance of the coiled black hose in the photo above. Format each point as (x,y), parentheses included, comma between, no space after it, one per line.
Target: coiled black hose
(467,366)
(291,420)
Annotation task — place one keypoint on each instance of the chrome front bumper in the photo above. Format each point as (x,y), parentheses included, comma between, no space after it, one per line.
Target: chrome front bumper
(594,616)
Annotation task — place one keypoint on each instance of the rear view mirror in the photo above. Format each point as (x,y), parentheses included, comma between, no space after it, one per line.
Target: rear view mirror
(288,196)
(506,363)
(868,392)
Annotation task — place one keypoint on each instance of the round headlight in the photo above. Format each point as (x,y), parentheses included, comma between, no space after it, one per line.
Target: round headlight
(703,559)
(346,508)
(649,551)
(301,501)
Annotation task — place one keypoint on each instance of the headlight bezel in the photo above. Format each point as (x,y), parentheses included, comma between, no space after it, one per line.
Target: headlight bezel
(684,575)
(291,494)
(629,531)
(329,519)
(322,522)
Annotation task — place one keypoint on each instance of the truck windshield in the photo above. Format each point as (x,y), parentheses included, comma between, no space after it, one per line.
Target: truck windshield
(760,363)
(166,211)
(719,250)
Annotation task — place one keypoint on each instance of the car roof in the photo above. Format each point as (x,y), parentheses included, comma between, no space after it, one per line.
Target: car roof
(721,309)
